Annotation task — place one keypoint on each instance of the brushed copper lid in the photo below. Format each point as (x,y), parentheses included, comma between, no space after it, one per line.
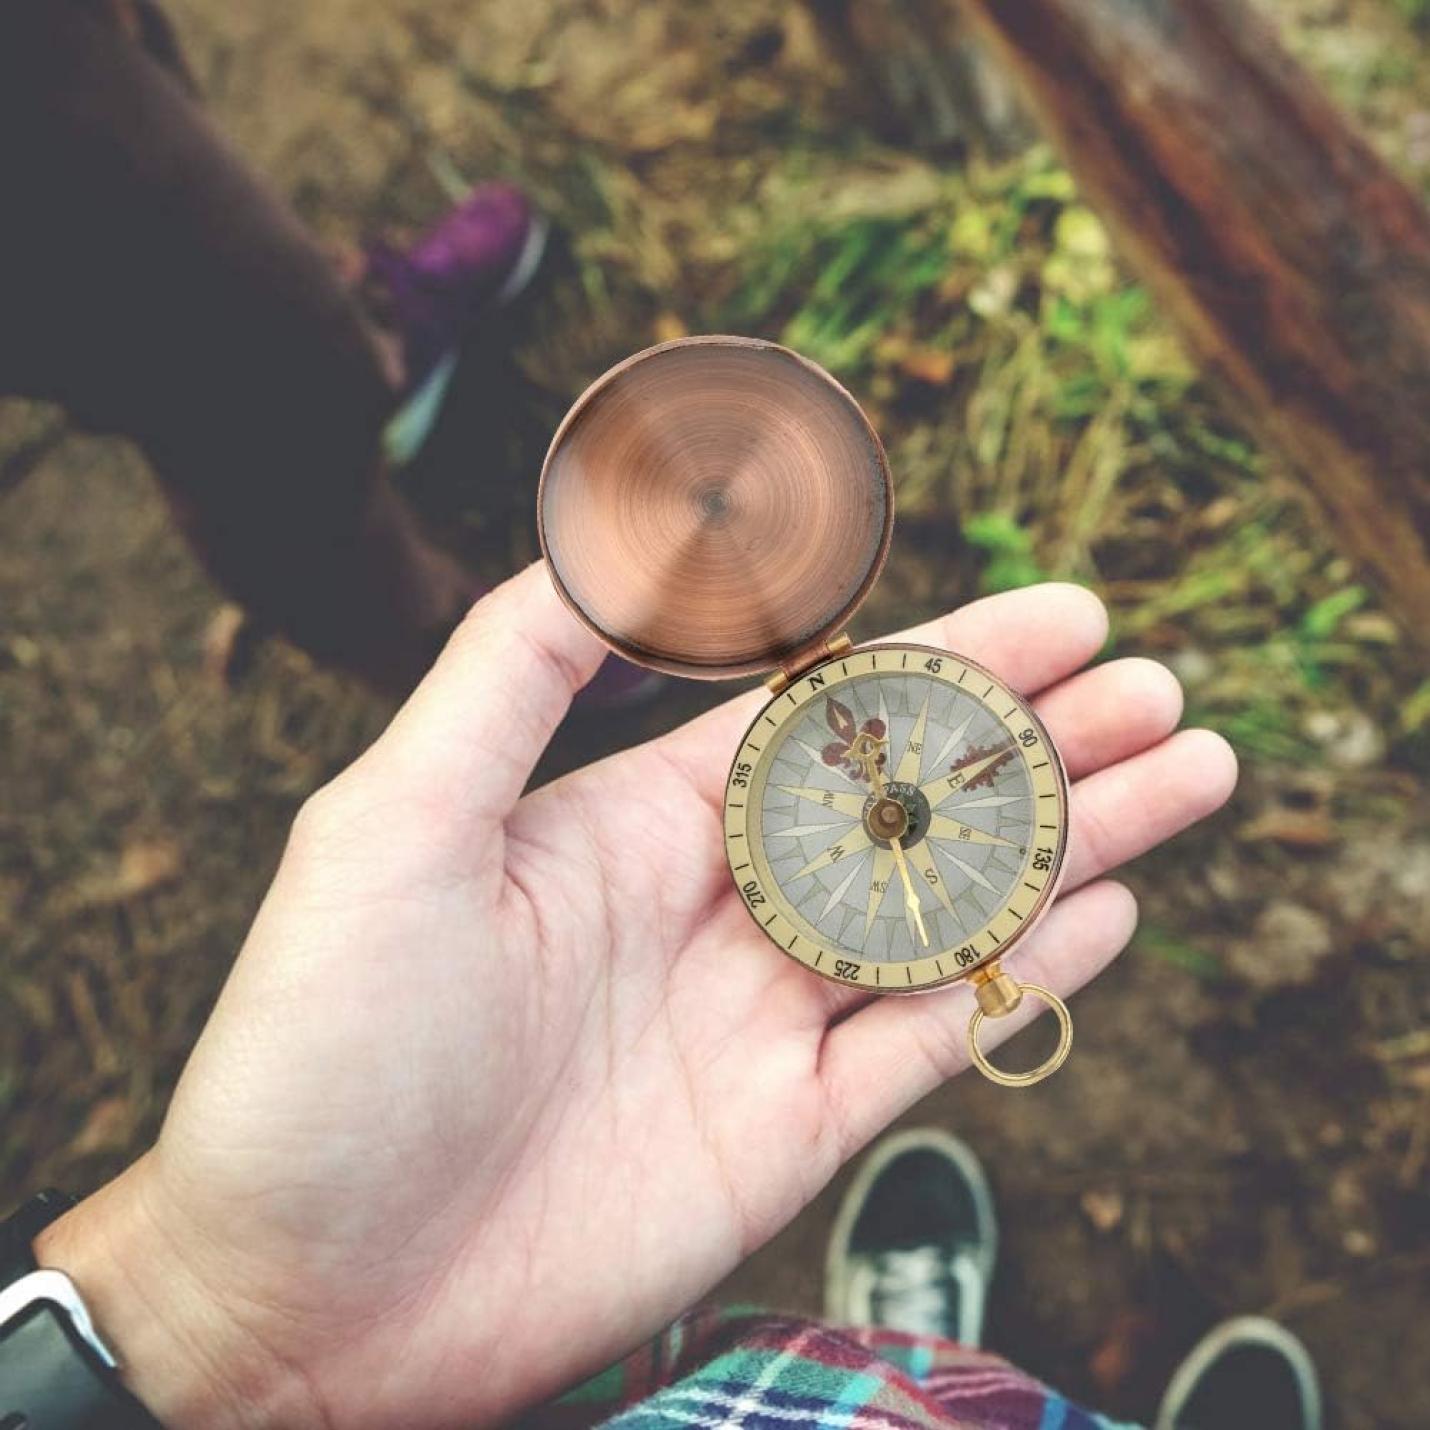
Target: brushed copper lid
(715,506)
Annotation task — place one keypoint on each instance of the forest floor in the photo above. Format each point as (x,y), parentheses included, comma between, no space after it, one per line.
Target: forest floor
(1246,1122)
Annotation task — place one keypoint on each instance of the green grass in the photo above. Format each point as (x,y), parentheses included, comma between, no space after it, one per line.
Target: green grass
(1171,947)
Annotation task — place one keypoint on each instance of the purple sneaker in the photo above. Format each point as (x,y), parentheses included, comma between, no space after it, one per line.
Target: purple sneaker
(479,257)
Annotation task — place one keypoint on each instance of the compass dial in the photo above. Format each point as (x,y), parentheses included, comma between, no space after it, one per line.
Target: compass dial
(896,817)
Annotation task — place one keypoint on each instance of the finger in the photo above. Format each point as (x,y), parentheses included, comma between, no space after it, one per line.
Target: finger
(1130,807)
(883,1059)
(1030,638)
(474,728)
(1110,713)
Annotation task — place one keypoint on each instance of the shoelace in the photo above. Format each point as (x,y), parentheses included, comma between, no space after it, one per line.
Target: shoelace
(929,1292)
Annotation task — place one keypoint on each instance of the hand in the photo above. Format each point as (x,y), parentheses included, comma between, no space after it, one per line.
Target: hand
(499,1084)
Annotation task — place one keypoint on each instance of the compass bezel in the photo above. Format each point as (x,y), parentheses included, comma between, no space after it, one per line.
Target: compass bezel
(770,907)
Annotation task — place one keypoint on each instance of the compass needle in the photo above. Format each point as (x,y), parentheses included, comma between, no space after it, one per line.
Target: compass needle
(911,894)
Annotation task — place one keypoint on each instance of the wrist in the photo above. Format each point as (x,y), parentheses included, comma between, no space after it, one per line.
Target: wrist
(182,1350)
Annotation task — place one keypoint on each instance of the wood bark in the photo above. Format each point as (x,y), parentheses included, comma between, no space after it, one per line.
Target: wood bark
(1296,263)
(919,78)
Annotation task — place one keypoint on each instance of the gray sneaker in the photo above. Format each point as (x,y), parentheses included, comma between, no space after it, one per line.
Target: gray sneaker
(1245,1374)
(915,1240)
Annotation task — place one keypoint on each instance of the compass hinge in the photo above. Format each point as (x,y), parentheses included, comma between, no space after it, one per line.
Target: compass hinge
(807,660)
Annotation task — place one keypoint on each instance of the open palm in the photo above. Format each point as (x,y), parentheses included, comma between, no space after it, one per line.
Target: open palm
(500,1084)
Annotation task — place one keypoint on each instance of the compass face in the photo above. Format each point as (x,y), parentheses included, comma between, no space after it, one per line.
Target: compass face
(896,817)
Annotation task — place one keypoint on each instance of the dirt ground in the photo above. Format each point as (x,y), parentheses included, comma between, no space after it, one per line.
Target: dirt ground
(1245,1125)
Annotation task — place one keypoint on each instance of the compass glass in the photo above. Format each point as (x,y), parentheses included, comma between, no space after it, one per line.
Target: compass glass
(896,817)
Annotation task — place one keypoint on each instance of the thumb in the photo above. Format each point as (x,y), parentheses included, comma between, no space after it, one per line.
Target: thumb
(473,730)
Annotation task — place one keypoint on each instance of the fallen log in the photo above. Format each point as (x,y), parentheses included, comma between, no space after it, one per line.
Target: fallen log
(1295,262)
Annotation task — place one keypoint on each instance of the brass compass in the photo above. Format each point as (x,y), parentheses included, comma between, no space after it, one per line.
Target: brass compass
(896,816)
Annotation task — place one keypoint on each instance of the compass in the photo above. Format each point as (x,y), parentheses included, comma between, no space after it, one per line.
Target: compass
(896,816)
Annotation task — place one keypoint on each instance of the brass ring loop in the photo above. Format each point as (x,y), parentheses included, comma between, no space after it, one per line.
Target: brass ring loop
(1037,1074)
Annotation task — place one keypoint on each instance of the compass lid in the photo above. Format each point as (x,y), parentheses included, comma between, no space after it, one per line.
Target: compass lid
(715,506)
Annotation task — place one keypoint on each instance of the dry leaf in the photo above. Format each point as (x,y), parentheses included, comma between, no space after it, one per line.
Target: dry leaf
(1299,828)
(227,644)
(144,865)
(108,1128)
(932,365)
(1103,1207)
